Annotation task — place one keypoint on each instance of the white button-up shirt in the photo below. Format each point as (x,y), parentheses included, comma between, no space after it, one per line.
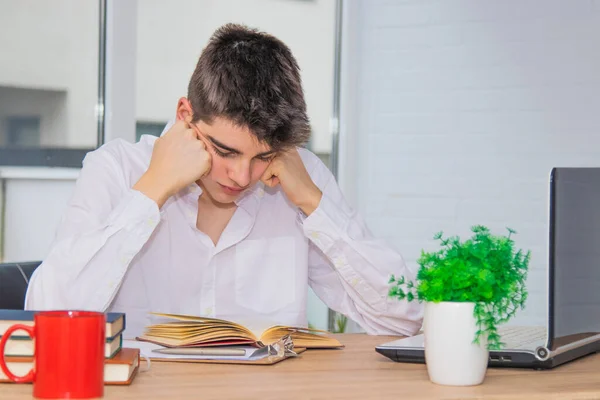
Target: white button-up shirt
(115,250)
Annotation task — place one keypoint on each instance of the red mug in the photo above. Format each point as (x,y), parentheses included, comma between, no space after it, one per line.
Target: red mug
(68,354)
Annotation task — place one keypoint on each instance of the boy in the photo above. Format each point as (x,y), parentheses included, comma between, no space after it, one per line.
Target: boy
(224,215)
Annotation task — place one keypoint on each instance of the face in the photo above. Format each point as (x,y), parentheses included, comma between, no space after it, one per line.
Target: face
(238,159)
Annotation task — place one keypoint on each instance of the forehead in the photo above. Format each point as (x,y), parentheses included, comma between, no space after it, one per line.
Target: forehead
(232,135)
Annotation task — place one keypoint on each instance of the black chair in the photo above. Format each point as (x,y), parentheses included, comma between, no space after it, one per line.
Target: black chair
(14,278)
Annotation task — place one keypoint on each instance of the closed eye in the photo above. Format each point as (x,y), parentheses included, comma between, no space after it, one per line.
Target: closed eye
(265,158)
(230,154)
(224,154)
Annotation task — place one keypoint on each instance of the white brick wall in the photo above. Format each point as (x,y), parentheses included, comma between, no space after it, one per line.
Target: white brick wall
(454,112)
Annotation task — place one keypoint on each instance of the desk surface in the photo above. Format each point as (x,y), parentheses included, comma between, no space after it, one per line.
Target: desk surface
(354,372)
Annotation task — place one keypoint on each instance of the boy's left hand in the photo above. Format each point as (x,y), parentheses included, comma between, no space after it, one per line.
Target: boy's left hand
(287,170)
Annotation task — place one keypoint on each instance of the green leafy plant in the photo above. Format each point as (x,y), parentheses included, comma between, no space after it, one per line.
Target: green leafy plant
(341,323)
(485,269)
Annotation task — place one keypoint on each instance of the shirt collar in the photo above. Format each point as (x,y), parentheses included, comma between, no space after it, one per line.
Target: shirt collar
(250,200)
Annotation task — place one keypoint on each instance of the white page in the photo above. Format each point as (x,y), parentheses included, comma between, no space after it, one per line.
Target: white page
(146,350)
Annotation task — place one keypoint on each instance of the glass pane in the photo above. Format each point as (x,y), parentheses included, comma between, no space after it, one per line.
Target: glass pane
(48,73)
(148,128)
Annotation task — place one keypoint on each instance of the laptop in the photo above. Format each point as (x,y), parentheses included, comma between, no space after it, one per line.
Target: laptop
(572,328)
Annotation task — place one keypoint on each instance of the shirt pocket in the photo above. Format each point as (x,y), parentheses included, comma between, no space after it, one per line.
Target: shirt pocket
(265,274)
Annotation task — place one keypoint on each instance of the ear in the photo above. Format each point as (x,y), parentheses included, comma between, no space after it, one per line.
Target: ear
(184,109)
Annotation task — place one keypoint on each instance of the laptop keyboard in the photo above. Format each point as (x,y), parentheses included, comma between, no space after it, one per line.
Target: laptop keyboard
(522,337)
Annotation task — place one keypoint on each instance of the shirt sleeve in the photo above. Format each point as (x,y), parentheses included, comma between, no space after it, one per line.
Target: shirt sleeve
(349,269)
(105,225)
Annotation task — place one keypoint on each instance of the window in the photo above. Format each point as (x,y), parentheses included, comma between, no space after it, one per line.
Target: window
(49,81)
(148,128)
(22,131)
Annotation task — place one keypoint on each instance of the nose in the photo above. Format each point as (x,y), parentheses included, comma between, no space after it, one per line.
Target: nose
(240,173)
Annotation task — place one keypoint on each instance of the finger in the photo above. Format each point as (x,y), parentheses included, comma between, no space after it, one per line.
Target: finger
(200,136)
(175,128)
(201,144)
(266,175)
(209,165)
(182,125)
(271,182)
(189,127)
(196,132)
(269,179)
(189,134)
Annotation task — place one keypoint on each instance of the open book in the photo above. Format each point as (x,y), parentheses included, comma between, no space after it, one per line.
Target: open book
(190,331)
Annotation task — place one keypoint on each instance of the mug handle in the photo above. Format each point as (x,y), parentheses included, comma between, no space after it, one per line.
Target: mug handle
(19,379)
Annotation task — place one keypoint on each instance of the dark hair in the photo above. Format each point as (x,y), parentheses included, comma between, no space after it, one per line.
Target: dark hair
(252,79)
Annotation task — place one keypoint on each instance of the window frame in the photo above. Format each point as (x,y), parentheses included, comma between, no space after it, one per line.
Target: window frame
(62,156)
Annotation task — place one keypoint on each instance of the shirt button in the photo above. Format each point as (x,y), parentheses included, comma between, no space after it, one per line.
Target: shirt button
(208,311)
(354,282)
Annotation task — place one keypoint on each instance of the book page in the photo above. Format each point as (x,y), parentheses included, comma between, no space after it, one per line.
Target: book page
(254,325)
(147,350)
(194,319)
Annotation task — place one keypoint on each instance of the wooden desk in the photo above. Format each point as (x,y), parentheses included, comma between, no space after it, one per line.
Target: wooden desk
(354,372)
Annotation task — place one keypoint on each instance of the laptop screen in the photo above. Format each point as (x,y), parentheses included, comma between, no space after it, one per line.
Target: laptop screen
(574,255)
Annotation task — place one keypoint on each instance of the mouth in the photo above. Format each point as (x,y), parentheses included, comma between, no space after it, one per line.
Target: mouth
(231,190)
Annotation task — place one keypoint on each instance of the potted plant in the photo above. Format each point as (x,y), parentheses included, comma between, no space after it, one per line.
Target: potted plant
(469,288)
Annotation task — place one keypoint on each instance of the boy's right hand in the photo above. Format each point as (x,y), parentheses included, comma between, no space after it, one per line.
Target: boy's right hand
(179,158)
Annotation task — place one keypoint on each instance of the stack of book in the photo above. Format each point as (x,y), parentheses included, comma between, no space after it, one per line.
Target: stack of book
(121,364)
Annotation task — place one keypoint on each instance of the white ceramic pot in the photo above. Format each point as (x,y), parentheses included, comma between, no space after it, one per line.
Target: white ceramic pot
(450,354)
